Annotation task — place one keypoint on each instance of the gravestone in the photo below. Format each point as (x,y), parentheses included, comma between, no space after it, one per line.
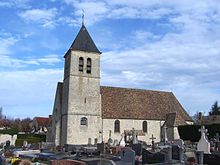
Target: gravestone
(203,144)
(89,141)
(178,142)
(176,152)
(134,136)
(165,134)
(149,157)
(153,144)
(110,141)
(7,145)
(2,160)
(122,141)
(137,148)
(115,142)
(128,156)
(25,143)
(95,141)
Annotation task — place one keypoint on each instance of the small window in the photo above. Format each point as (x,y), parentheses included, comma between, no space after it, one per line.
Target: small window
(89,65)
(117,126)
(84,121)
(144,126)
(81,61)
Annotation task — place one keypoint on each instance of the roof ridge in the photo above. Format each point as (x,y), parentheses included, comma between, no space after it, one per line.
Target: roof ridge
(137,89)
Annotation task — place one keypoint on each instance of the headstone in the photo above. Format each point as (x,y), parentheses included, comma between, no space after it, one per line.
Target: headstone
(137,148)
(165,133)
(7,145)
(95,141)
(101,147)
(115,142)
(110,141)
(168,155)
(128,155)
(200,157)
(25,143)
(122,141)
(152,157)
(2,160)
(176,152)
(153,144)
(203,144)
(134,136)
(178,142)
(89,141)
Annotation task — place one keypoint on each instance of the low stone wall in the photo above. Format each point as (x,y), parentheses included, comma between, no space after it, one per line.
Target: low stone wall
(67,162)
(6,137)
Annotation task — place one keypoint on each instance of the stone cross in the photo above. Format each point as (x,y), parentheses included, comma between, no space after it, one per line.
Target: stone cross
(165,133)
(217,137)
(153,145)
(134,136)
(110,141)
(203,144)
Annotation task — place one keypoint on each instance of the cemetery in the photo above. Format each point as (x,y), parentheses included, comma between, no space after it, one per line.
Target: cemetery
(128,151)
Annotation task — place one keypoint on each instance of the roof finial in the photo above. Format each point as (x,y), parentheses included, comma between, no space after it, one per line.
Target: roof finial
(82,17)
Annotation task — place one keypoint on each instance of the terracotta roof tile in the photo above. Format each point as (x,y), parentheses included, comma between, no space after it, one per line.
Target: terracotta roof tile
(125,103)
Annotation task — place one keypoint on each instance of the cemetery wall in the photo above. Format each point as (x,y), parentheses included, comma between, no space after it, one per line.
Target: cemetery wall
(6,137)
(153,127)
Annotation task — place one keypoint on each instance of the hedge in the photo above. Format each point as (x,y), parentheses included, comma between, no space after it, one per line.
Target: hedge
(30,138)
(191,132)
(11,131)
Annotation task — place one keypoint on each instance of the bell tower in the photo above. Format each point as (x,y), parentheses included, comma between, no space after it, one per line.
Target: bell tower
(81,109)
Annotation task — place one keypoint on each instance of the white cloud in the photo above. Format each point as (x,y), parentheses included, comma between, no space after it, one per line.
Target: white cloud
(29,90)
(50,59)
(15,3)
(46,17)
(6,44)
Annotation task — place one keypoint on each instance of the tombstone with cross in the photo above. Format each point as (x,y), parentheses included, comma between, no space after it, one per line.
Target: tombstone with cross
(203,144)
(153,144)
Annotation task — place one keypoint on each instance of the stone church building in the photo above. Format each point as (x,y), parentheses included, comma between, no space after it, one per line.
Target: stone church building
(85,111)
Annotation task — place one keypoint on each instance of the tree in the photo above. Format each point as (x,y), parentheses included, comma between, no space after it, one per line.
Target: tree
(215,109)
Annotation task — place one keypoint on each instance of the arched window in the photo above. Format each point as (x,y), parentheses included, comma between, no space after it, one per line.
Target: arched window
(144,126)
(81,64)
(84,121)
(89,65)
(117,126)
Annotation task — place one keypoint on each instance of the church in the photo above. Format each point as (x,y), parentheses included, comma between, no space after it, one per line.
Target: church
(86,112)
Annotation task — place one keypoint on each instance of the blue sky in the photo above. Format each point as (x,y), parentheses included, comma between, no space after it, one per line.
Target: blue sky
(158,45)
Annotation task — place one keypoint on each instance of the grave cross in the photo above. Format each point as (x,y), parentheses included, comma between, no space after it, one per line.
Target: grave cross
(165,133)
(217,137)
(203,131)
(153,145)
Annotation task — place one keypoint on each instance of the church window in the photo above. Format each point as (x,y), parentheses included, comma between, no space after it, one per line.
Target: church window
(89,65)
(144,126)
(117,126)
(81,61)
(84,121)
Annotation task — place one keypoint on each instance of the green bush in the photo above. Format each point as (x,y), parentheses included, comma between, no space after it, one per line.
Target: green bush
(11,131)
(191,132)
(30,138)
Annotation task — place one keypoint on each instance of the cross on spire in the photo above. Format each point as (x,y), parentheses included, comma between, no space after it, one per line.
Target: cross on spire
(82,17)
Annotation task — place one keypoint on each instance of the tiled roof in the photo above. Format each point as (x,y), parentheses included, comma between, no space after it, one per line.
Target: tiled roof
(42,121)
(84,42)
(124,103)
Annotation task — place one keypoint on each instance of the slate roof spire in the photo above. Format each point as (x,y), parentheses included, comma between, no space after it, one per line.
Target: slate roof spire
(83,41)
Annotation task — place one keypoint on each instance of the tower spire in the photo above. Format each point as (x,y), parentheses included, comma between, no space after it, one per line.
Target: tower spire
(82,17)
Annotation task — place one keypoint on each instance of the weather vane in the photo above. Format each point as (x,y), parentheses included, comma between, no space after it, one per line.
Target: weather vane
(82,17)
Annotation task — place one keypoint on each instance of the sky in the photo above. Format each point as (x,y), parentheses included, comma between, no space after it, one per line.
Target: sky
(163,45)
